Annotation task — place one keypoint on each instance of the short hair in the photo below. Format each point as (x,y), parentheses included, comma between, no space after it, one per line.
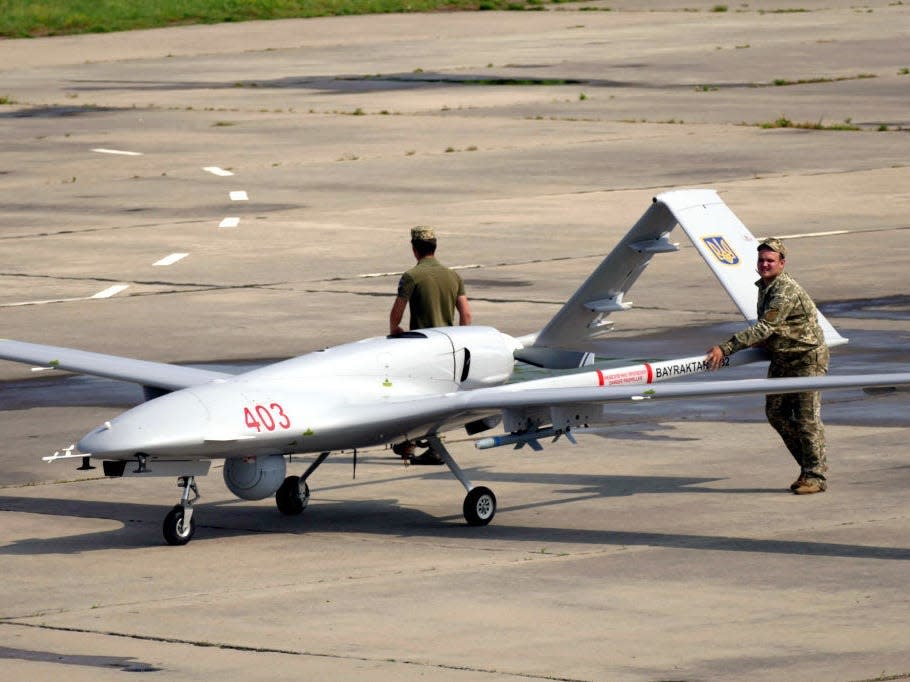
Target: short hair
(424,247)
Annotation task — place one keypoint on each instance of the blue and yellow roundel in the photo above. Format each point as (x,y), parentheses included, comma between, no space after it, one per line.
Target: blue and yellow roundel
(721,249)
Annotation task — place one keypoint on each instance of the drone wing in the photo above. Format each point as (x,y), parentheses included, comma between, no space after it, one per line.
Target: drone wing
(157,375)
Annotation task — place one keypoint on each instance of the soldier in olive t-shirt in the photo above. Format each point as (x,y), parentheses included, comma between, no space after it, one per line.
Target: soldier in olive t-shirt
(433,291)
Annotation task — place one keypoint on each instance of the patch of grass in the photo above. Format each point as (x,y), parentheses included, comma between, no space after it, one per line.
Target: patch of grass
(904,71)
(6,99)
(28,18)
(780,82)
(719,8)
(784,122)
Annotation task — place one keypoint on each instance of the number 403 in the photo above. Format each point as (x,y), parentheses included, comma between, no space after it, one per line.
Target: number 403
(269,417)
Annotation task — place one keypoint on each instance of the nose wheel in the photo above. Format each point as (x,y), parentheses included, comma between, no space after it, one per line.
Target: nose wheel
(179,525)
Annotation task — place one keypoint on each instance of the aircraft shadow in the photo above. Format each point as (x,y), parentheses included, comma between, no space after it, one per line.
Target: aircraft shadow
(123,663)
(384,517)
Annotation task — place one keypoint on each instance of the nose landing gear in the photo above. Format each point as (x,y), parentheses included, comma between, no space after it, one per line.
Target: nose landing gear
(178,527)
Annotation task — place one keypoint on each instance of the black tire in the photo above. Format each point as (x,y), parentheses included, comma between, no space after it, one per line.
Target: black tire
(290,498)
(479,506)
(176,532)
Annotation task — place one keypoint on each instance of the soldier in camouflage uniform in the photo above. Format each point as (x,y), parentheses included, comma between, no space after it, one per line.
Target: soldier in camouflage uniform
(788,329)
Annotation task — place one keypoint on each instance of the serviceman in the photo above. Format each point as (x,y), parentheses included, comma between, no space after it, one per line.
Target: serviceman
(788,329)
(433,292)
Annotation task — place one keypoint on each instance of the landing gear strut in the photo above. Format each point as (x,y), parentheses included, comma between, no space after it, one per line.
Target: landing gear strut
(479,506)
(179,525)
(294,494)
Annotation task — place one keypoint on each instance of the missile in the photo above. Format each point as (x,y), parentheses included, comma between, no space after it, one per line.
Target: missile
(520,439)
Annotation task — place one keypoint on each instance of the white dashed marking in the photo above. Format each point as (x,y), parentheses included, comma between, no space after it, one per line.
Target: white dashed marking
(215,170)
(229,222)
(239,195)
(111,291)
(170,260)
(117,151)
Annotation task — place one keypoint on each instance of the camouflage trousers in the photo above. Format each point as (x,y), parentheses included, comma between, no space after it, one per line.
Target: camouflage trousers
(797,416)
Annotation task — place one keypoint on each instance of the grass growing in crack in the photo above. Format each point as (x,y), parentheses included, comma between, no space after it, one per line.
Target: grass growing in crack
(784,122)
(808,81)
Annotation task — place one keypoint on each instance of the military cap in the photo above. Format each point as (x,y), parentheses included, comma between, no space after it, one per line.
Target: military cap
(774,244)
(423,233)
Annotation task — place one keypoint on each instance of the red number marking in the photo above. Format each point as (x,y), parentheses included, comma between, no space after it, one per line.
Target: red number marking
(250,420)
(262,417)
(265,417)
(283,421)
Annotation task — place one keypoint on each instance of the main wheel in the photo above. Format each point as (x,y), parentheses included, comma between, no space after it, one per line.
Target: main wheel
(176,532)
(479,506)
(291,498)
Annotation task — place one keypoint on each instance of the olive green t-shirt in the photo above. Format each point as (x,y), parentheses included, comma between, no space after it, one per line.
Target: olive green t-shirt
(431,290)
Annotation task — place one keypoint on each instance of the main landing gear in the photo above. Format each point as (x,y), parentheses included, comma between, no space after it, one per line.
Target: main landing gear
(294,494)
(479,506)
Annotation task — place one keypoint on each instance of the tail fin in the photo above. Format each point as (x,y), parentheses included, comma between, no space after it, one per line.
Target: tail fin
(727,246)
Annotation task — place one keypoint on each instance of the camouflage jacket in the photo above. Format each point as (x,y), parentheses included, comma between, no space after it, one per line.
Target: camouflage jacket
(787,321)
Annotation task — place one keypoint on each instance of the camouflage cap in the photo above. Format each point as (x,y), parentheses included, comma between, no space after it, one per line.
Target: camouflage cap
(423,233)
(774,244)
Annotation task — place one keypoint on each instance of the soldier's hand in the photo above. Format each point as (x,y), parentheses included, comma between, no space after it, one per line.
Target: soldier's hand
(714,358)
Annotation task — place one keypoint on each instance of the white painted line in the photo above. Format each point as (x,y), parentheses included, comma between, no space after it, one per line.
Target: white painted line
(815,234)
(44,302)
(117,151)
(111,291)
(215,170)
(229,222)
(369,275)
(170,260)
(239,195)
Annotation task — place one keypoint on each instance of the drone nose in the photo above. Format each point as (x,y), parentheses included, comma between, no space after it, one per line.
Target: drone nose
(170,425)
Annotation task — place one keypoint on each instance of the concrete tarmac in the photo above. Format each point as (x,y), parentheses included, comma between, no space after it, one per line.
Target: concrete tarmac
(288,161)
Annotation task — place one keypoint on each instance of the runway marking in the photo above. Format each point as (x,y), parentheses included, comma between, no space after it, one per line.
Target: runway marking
(369,275)
(239,195)
(170,260)
(229,222)
(111,291)
(215,170)
(121,152)
(815,234)
(107,293)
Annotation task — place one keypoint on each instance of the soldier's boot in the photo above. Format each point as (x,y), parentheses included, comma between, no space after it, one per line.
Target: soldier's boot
(799,481)
(810,486)
(405,449)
